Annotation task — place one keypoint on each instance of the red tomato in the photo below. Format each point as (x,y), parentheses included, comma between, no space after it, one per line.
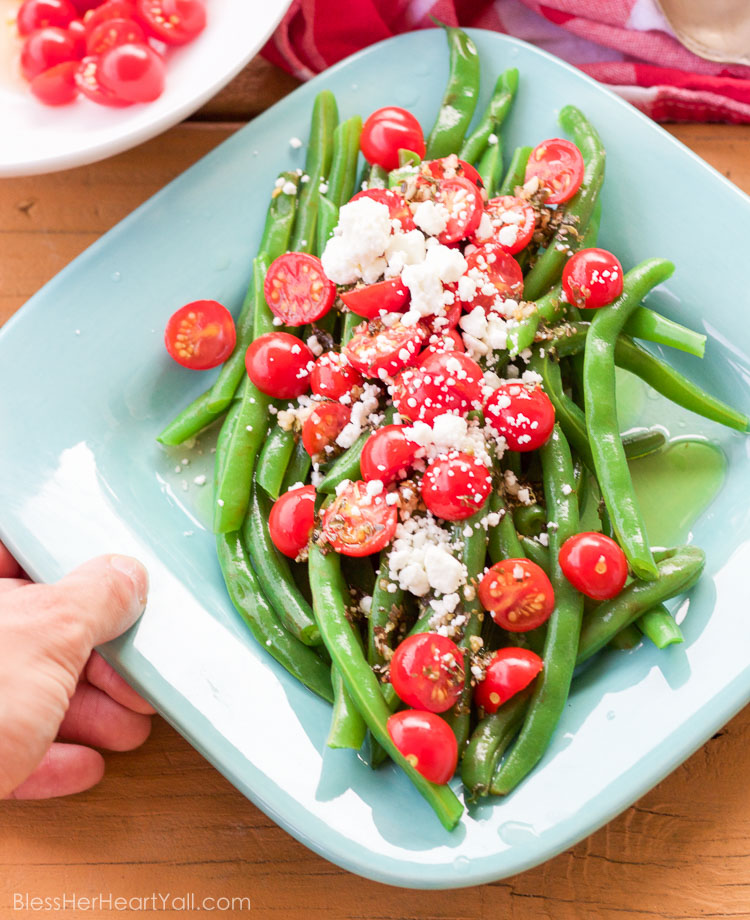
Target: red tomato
(56,86)
(426,741)
(594,564)
(464,204)
(509,670)
(200,334)
(372,300)
(46,48)
(377,350)
(87,80)
(358,523)
(134,73)
(84,5)
(438,169)
(297,289)
(174,22)
(77,32)
(114,32)
(279,365)
(387,131)
(490,264)
(427,672)
(439,343)
(512,222)
(458,373)
(518,594)
(387,454)
(456,486)
(333,376)
(523,415)
(421,395)
(292,519)
(558,165)
(37,14)
(323,425)
(111,9)
(396,204)
(592,278)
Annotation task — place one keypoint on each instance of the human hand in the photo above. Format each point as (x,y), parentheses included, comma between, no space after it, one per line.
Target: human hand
(53,688)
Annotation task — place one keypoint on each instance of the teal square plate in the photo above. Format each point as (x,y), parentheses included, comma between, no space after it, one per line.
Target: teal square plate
(86,385)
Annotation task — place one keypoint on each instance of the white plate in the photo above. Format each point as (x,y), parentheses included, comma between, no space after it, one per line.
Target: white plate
(36,138)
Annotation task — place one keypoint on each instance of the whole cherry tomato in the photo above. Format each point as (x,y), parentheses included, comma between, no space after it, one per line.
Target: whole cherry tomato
(455,486)
(333,376)
(594,564)
(291,520)
(510,222)
(387,455)
(592,278)
(37,14)
(398,208)
(279,365)
(46,48)
(508,671)
(200,335)
(497,275)
(323,425)
(518,594)
(388,130)
(427,672)
(522,414)
(426,741)
(133,72)
(464,203)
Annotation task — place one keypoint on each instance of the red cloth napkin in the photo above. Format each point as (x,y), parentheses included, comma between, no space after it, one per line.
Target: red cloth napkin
(627,44)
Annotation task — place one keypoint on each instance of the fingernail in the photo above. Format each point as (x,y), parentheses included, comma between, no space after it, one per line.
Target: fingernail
(135,572)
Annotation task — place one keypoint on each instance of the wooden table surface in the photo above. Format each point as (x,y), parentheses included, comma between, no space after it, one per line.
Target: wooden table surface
(165,821)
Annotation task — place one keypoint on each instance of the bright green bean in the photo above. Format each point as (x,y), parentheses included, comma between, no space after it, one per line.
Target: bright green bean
(298,468)
(660,627)
(274,459)
(494,115)
(460,97)
(516,171)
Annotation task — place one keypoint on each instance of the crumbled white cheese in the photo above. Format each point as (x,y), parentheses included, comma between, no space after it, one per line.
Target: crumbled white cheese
(431,216)
(355,251)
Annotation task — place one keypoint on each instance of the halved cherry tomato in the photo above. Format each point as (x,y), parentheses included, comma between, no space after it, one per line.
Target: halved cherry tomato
(509,671)
(114,32)
(134,72)
(438,168)
(38,14)
(333,376)
(456,486)
(292,519)
(448,343)
(174,22)
(297,289)
(111,9)
(427,672)
(279,365)
(426,741)
(377,350)
(372,300)
(464,203)
(489,264)
(388,130)
(523,415)
(387,455)
(56,86)
(200,335)
(509,222)
(46,48)
(323,425)
(87,80)
(518,594)
(558,165)
(594,564)
(592,278)
(396,204)
(359,523)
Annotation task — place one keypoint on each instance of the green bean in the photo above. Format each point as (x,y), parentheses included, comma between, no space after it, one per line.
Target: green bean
(551,687)
(330,593)
(609,458)
(386,611)
(516,171)
(345,466)
(298,468)
(274,459)
(274,575)
(189,422)
(490,167)
(263,317)
(359,574)
(348,728)
(460,97)
(677,570)
(503,539)
(534,550)
(660,627)
(643,442)
(494,115)
(299,660)
(653,327)
(342,178)
(577,211)
(626,639)
(377,177)
(569,416)
(351,321)
(408,157)
(529,520)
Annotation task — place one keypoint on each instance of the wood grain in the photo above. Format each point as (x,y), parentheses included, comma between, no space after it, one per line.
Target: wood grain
(164,821)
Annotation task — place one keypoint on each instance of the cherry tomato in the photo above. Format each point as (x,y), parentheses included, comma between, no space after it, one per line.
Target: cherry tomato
(509,670)
(358,523)
(56,86)
(510,222)
(523,415)
(396,204)
(456,486)
(323,425)
(87,80)
(450,342)
(333,376)
(427,672)
(46,48)
(592,278)
(134,73)
(279,365)
(38,14)
(558,165)
(292,519)
(490,264)
(77,31)
(594,564)
(174,22)
(114,32)
(438,169)
(457,373)
(464,203)
(377,350)
(421,395)
(84,6)
(387,455)
(200,335)
(111,9)
(426,741)
(387,131)
(518,594)
(297,289)
(371,300)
